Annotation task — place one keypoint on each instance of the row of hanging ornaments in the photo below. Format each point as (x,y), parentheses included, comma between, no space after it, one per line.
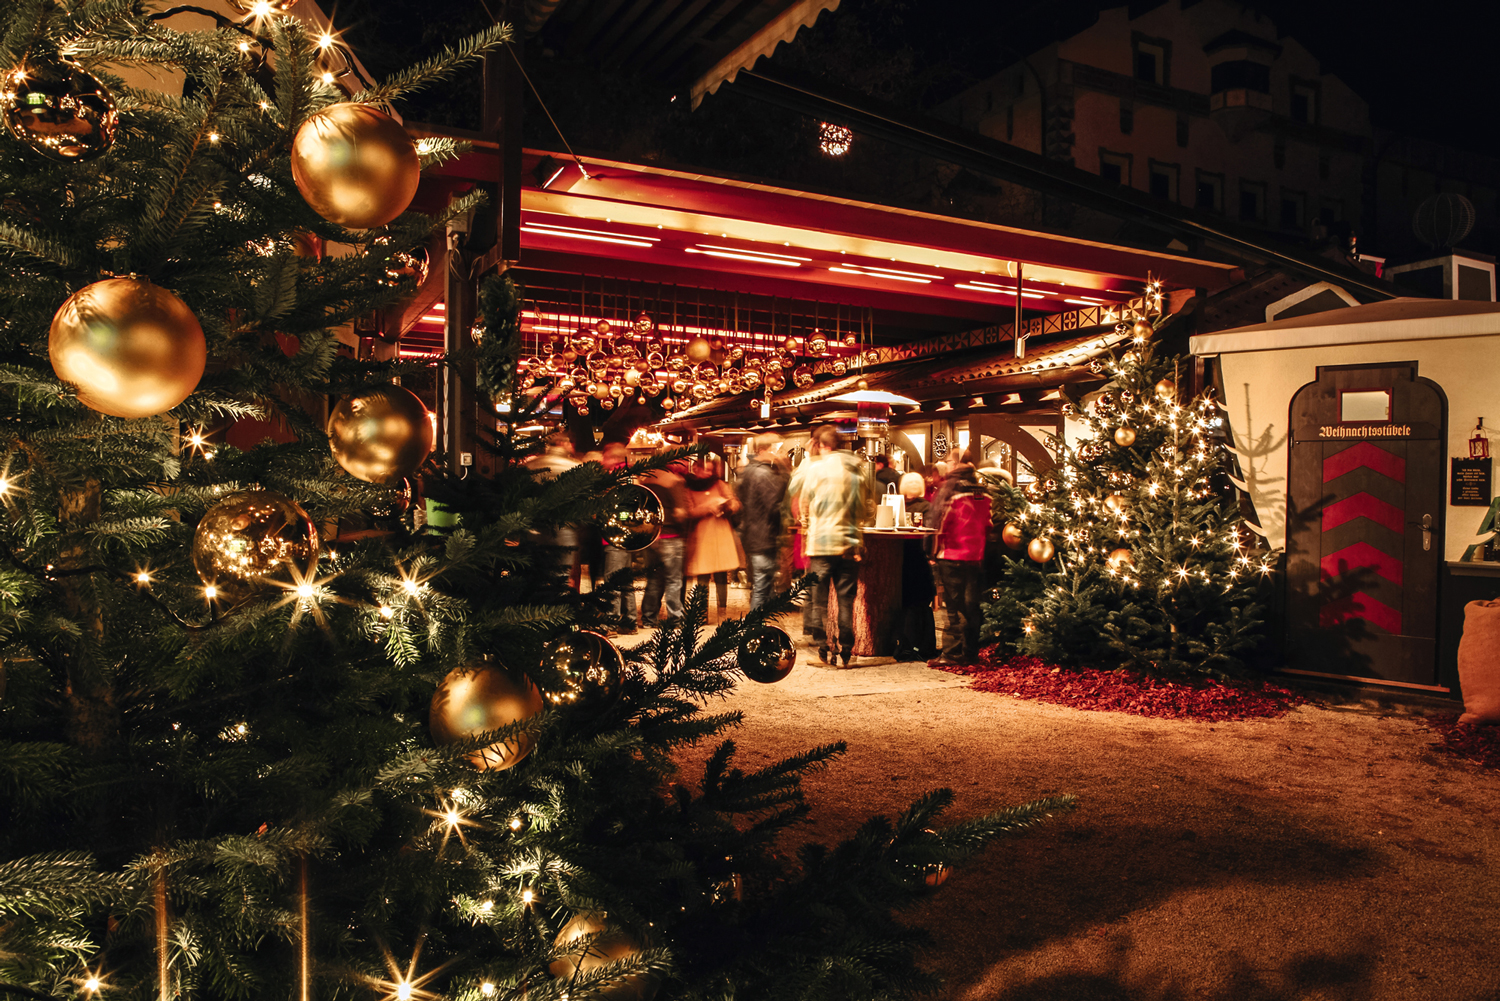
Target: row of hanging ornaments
(606,366)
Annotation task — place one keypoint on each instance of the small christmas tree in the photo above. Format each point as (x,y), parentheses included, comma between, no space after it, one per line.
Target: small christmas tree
(239,762)
(1131,550)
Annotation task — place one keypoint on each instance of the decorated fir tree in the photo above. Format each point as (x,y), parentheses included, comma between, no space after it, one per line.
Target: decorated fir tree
(242,758)
(1130,552)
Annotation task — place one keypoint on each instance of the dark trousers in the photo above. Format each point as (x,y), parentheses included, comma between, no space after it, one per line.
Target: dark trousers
(960,581)
(842,572)
(663,581)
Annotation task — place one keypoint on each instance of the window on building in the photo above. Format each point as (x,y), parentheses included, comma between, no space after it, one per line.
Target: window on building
(1163,180)
(1127,118)
(1304,102)
(1240,74)
(1010,122)
(1293,204)
(1278,155)
(1151,59)
(1114,167)
(1252,201)
(1182,131)
(1209,193)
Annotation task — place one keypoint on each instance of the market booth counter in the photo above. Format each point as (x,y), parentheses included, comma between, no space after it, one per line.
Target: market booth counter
(1347,425)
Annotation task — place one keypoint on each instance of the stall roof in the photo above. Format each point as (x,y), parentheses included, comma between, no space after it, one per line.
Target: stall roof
(1404,319)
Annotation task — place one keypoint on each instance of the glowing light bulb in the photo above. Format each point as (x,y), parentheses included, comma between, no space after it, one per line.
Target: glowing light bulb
(91,984)
(213,137)
(304,590)
(241,729)
(244,46)
(403,992)
(4,486)
(143,578)
(487,989)
(210,592)
(487,906)
(328,78)
(452,817)
(527,896)
(261,8)
(325,40)
(386,611)
(516,823)
(265,106)
(411,586)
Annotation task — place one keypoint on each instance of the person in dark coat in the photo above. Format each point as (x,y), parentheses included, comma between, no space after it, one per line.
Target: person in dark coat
(885,476)
(762,490)
(918,637)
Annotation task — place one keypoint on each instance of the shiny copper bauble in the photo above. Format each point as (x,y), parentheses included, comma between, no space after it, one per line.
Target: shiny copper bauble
(607,944)
(1124,436)
(817,344)
(1040,550)
(479,697)
(634,519)
(1142,328)
(698,350)
(255,536)
(133,349)
(1115,502)
(1012,535)
(767,654)
(1166,389)
(591,670)
(1119,559)
(791,345)
(380,435)
(643,324)
(935,875)
(52,105)
(355,165)
(413,266)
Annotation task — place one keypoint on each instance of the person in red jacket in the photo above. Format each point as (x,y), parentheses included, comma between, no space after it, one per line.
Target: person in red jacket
(962,516)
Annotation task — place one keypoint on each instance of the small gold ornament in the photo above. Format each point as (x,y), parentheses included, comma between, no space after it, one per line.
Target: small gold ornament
(698,350)
(253,536)
(1115,502)
(608,944)
(131,348)
(767,654)
(1012,535)
(1124,436)
(58,109)
(380,435)
(1040,550)
(634,519)
(482,696)
(791,345)
(413,266)
(1119,559)
(354,165)
(817,344)
(862,385)
(1143,329)
(1166,389)
(643,325)
(591,670)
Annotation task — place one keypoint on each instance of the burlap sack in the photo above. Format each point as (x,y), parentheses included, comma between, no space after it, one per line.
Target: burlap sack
(1479,662)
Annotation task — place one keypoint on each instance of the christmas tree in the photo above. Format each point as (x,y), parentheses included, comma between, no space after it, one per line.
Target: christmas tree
(1131,551)
(239,761)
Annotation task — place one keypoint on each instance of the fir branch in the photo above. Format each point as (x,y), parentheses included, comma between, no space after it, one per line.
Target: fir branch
(440,67)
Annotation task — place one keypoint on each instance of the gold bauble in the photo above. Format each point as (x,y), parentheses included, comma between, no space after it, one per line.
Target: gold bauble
(767,654)
(1119,559)
(1124,436)
(634,519)
(1040,550)
(52,105)
(355,166)
(479,697)
(1143,328)
(590,668)
(255,535)
(1166,389)
(791,344)
(698,350)
(1012,535)
(608,944)
(131,348)
(817,344)
(1115,502)
(380,435)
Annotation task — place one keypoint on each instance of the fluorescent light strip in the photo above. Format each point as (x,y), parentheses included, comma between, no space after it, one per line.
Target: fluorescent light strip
(585,236)
(895,278)
(762,253)
(579,229)
(742,257)
(893,271)
(1002,291)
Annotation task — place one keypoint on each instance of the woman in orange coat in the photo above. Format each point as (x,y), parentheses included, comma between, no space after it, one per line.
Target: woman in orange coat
(713,547)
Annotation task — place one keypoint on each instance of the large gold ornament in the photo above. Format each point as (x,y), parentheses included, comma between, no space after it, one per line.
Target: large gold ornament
(354,165)
(380,435)
(634,520)
(767,654)
(608,944)
(1124,436)
(131,348)
(1012,535)
(52,105)
(1115,502)
(1143,329)
(253,536)
(1040,550)
(482,696)
(699,350)
(1166,389)
(1120,559)
(591,670)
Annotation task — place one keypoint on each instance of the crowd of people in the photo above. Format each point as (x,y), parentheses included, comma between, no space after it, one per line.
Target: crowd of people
(817,514)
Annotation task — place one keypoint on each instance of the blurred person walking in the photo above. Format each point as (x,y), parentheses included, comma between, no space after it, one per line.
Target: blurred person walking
(962,515)
(664,558)
(562,540)
(713,547)
(917,639)
(762,491)
(837,491)
(622,603)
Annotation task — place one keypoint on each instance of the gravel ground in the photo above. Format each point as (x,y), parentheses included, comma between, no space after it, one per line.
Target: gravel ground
(1325,854)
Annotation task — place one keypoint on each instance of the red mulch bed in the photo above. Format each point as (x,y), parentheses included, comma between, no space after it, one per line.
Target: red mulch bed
(1125,691)
(1479,744)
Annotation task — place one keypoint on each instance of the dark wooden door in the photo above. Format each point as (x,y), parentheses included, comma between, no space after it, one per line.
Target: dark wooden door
(1364,524)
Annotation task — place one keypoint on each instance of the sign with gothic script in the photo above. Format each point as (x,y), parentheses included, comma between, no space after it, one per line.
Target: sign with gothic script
(1470,486)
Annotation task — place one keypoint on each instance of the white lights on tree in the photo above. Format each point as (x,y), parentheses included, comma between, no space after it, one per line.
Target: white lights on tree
(834,140)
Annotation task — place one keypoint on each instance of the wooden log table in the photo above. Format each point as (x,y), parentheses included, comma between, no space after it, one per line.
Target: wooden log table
(877,602)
